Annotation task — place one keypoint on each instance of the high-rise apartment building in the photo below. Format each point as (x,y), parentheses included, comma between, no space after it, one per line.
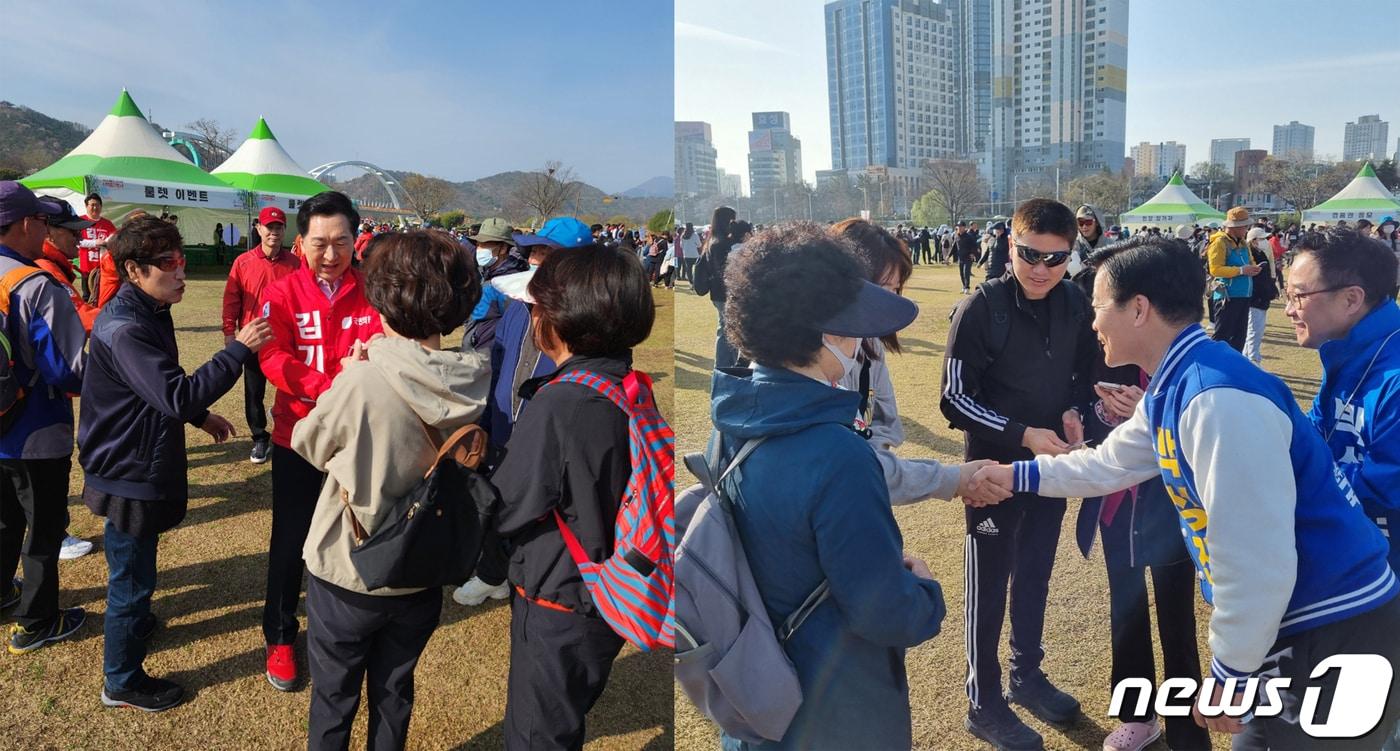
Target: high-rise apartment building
(1294,142)
(1366,139)
(730,186)
(1059,89)
(696,173)
(892,82)
(1222,151)
(1159,159)
(775,155)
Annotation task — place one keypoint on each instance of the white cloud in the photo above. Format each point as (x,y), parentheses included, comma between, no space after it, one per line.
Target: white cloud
(698,33)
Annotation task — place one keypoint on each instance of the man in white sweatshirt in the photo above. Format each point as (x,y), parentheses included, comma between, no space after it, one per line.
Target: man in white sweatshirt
(1294,570)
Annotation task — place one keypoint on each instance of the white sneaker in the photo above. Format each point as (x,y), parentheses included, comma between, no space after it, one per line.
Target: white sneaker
(73,547)
(475,592)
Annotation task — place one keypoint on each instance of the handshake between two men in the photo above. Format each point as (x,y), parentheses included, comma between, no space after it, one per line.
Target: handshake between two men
(985,482)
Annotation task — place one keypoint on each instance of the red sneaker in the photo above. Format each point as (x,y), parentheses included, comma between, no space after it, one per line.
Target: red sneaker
(281,667)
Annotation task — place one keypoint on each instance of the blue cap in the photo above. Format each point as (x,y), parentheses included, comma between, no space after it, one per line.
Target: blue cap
(525,241)
(566,232)
(1386,220)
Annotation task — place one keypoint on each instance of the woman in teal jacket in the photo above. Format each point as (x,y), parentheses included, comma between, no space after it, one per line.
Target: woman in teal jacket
(811,500)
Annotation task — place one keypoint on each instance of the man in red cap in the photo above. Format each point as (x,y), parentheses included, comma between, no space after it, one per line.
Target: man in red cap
(253,271)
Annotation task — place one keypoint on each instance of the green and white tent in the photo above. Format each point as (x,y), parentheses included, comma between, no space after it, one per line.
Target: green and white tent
(127,162)
(262,167)
(1174,204)
(1365,197)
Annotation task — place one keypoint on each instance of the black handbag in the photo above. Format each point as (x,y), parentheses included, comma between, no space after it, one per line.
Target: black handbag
(434,536)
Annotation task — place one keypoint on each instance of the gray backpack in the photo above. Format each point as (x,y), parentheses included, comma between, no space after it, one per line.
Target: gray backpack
(724,637)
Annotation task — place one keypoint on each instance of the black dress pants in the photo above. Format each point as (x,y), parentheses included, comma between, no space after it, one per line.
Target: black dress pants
(295,486)
(254,388)
(353,637)
(559,666)
(1174,585)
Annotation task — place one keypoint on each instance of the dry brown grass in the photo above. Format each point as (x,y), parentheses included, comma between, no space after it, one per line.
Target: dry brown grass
(1076,633)
(211,585)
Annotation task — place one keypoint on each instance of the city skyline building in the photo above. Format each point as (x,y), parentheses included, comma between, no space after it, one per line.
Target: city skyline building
(1159,160)
(1294,142)
(892,82)
(1366,139)
(775,155)
(1059,98)
(1223,150)
(696,171)
(730,185)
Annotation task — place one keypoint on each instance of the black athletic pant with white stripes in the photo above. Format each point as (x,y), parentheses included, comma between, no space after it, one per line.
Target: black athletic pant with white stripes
(1008,546)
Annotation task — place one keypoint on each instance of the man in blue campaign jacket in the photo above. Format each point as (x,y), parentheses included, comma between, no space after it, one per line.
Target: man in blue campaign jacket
(1339,301)
(1294,570)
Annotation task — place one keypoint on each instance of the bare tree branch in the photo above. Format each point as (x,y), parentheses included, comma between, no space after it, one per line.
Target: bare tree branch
(218,141)
(427,195)
(548,190)
(957,184)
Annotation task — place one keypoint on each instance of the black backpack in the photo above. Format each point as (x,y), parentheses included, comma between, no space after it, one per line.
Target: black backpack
(435,534)
(700,275)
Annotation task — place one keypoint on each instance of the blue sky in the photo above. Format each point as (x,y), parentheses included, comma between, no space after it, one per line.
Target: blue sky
(1197,70)
(460,90)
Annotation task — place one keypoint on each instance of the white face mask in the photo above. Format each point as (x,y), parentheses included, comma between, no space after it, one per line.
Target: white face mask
(484,257)
(849,363)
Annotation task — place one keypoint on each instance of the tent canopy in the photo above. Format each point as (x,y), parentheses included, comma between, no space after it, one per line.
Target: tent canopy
(1365,197)
(125,159)
(1174,204)
(264,168)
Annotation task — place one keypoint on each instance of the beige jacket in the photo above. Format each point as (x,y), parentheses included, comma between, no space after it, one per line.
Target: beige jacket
(368,433)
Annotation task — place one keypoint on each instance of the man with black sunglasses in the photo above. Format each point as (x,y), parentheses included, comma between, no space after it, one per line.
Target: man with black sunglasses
(1016,380)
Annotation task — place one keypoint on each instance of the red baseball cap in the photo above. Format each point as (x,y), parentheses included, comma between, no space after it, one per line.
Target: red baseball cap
(271,214)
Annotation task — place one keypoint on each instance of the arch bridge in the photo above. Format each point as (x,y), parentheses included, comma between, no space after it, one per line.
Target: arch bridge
(398,197)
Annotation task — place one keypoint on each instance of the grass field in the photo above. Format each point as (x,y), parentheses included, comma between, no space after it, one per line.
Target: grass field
(1076,632)
(210,595)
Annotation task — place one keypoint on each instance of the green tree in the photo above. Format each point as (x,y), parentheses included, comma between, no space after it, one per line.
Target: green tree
(929,211)
(451,219)
(1386,173)
(662,221)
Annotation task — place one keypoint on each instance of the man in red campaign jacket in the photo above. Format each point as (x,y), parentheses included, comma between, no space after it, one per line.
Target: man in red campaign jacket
(318,315)
(254,271)
(94,240)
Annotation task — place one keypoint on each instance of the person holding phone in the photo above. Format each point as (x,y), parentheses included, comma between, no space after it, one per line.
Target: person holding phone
(1016,381)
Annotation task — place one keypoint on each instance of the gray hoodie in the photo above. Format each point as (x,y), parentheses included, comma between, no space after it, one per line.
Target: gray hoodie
(909,480)
(376,432)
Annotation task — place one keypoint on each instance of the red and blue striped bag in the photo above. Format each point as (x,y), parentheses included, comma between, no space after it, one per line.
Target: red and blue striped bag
(634,588)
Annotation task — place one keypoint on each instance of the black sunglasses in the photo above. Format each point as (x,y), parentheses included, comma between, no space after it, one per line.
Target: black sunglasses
(1035,257)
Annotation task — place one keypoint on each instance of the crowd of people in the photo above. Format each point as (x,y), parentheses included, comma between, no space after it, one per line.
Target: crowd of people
(350,336)
(1078,370)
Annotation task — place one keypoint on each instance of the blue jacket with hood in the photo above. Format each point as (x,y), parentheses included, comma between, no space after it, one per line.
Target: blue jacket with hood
(1357,410)
(812,505)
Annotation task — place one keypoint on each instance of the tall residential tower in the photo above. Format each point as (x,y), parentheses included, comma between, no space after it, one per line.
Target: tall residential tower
(1059,90)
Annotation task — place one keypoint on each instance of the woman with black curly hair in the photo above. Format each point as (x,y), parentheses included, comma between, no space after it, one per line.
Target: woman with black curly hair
(798,305)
